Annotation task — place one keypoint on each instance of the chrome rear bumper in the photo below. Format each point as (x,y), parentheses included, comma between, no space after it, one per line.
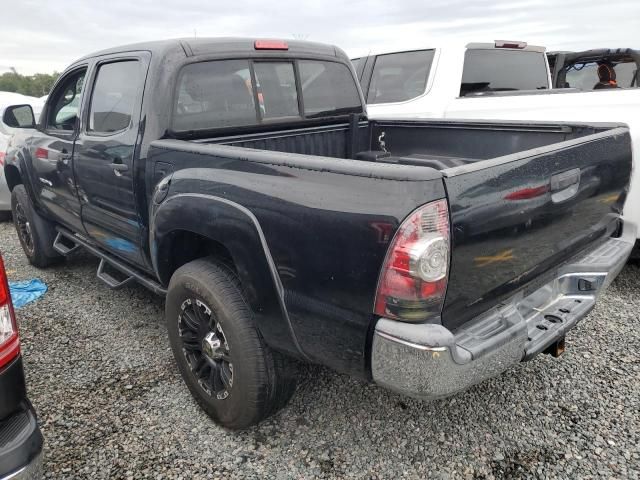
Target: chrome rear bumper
(429,361)
(31,471)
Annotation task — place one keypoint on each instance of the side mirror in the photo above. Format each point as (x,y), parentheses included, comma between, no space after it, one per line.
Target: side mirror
(19,116)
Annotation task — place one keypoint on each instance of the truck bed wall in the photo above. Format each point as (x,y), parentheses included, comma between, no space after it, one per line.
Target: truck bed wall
(326,141)
(471,141)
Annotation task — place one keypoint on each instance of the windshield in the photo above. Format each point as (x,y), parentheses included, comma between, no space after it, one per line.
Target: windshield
(499,70)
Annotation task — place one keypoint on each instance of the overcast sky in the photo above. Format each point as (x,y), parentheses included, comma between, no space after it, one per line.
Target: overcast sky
(43,36)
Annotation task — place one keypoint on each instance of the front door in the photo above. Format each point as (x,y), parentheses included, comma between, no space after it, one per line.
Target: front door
(52,150)
(105,154)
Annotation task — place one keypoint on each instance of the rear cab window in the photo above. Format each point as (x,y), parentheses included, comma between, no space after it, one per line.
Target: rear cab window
(277,92)
(502,70)
(398,77)
(244,92)
(328,89)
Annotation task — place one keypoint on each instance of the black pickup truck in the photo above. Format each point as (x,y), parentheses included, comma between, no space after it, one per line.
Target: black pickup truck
(242,179)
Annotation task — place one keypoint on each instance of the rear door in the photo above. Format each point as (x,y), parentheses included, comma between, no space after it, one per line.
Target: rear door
(105,154)
(516,218)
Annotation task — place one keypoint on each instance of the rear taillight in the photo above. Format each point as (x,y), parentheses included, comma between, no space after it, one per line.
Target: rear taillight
(413,280)
(2,156)
(9,341)
(42,153)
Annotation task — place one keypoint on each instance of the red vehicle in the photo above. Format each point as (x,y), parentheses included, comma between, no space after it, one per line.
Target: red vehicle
(20,437)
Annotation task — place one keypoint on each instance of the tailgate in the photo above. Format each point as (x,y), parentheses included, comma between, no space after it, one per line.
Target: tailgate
(516,219)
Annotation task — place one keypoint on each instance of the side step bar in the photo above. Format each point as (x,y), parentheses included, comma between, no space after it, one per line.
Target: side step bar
(61,245)
(66,242)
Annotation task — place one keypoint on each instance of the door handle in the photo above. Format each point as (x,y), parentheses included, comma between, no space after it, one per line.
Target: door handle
(64,157)
(565,185)
(119,167)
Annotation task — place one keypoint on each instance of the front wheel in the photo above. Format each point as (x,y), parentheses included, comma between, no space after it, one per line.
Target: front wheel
(233,375)
(36,234)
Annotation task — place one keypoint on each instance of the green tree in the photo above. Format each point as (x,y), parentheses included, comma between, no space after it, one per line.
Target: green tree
(33,85)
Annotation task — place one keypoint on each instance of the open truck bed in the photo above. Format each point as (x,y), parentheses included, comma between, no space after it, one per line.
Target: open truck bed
(524,197)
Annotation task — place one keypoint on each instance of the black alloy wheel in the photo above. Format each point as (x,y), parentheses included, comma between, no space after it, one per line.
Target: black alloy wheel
(205,348)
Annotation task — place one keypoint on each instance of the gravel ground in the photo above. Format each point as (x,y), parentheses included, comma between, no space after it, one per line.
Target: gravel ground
(112,404)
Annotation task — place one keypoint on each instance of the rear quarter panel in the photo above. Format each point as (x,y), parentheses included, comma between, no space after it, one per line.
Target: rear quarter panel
(327,230)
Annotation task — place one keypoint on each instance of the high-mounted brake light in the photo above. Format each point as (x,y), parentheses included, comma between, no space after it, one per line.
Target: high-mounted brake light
(270,45)
(9,340)
(413,280)
(510,44)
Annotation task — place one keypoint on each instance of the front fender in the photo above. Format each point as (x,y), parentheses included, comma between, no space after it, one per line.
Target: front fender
(238,230)
(16,172)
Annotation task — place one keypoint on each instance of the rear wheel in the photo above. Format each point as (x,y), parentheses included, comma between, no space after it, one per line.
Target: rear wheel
(234,376)
(35,233)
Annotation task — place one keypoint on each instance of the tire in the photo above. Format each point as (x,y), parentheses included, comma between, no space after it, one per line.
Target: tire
(35,233)
(233,375)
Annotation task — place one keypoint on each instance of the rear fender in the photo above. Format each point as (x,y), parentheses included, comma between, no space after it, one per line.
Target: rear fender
(237,229)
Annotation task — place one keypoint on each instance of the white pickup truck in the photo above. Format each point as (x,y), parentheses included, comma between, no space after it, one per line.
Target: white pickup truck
(498,80)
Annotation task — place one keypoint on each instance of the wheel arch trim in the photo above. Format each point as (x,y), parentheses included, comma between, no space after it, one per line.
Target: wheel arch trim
(156,240)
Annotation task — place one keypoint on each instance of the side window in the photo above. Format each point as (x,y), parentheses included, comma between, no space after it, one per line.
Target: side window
(114,96)
(277,94)
(583,76)
(399,76)
(64,102)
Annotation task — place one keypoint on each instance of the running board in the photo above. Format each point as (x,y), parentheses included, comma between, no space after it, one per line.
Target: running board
(62,248)
(106,260)
(109,280)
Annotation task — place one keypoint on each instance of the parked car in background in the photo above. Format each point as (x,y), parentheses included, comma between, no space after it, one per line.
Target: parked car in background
(243,180)
(585,70)
(501,80)
(20,437)
(6,99)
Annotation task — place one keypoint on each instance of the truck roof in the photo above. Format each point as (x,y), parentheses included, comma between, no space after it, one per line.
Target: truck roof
(213,45)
